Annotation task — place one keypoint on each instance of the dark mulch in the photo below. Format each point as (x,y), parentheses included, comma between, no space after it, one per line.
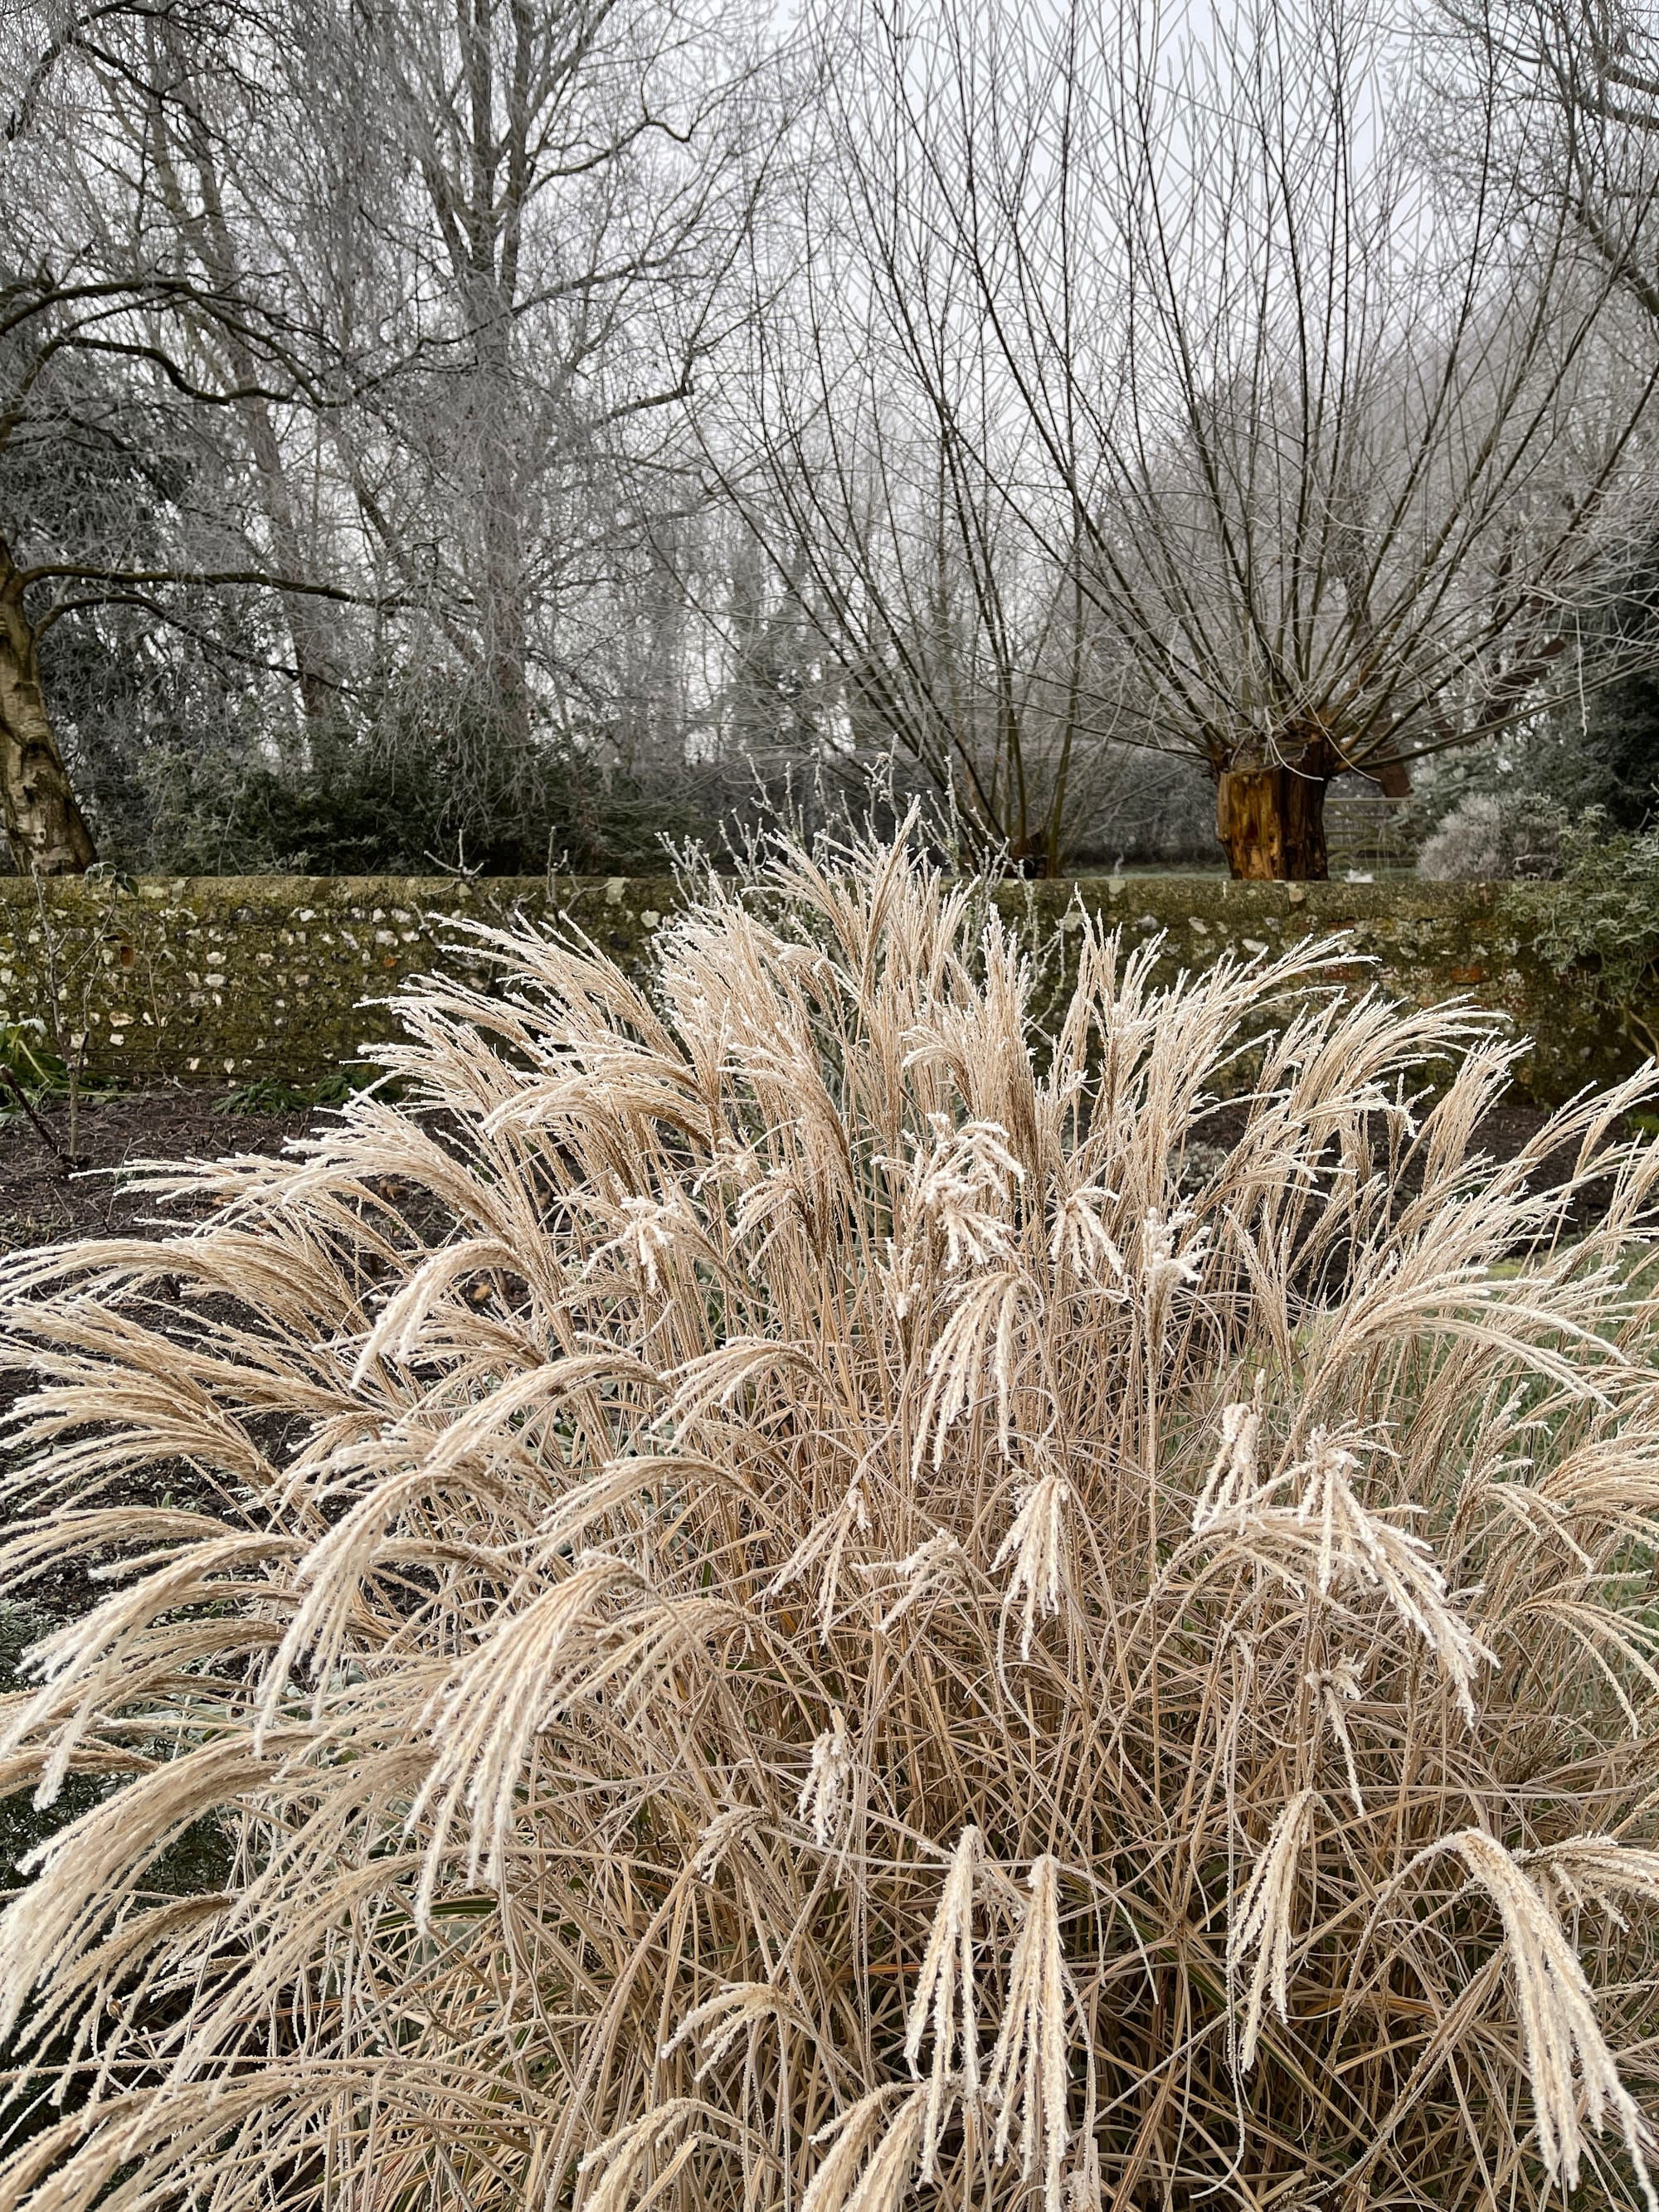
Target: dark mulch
(1504,1132)
(45,1200)
(48,1195)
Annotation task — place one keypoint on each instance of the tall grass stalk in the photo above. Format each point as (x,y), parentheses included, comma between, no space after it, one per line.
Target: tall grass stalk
(812,1604)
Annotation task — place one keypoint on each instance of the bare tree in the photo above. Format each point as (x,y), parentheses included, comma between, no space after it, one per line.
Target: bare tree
(48,317)
(1580,86)
(563,186)
(131,338)
(869,446)
(217,143)
(432,288)
(1328,456)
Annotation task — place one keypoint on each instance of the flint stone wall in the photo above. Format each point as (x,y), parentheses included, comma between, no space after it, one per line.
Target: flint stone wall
(223,979)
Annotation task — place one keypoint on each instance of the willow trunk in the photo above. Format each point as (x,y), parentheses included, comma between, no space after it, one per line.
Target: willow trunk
(1271,823)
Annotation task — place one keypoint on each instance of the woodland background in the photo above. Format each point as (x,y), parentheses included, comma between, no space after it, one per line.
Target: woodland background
(496,436)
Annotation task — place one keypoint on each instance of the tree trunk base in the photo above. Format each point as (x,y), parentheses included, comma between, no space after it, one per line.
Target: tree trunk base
(45,826)
(1271,823)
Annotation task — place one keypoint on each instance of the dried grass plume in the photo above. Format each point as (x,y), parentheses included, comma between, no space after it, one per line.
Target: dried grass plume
(798,1594)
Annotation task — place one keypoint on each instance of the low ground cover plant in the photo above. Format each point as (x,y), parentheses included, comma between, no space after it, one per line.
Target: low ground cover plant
(816,1601)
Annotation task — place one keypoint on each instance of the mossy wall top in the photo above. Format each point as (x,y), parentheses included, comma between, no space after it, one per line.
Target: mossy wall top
(224,978)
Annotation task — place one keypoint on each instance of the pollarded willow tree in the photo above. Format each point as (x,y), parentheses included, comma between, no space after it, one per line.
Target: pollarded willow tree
(1581,144)
(1319,454)
(1581,80)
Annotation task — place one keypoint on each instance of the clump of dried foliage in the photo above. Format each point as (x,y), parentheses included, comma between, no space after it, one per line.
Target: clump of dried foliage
(803,1613)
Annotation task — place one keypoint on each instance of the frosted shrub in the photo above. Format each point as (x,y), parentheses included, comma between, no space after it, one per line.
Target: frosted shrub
(1487,838)
(803,1616)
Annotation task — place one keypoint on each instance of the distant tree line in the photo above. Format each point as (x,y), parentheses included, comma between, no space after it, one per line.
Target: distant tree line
(500,437)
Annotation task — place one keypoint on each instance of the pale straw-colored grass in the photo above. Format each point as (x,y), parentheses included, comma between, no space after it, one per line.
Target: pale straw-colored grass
(802,1616)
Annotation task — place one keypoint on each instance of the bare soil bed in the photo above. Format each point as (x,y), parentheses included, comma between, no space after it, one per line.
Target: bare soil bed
(48,1196)
(44,1201)
(1503,1133)
(52,1196)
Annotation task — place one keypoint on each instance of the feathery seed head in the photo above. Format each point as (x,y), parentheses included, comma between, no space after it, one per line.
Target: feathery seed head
(822,1800)
(843,1320)
(1036,1544)
(961,1181)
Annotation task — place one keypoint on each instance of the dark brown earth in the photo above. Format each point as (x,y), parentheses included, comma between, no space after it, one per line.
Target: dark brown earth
(46,1197)
(1504,1132)
(48,1193)
(51,1194)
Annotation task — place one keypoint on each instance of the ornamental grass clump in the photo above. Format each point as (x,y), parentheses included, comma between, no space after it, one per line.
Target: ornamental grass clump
(818,1601)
